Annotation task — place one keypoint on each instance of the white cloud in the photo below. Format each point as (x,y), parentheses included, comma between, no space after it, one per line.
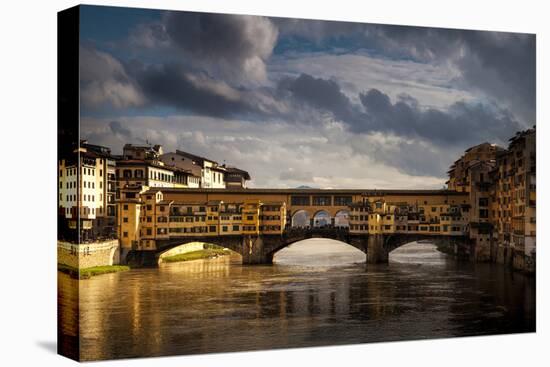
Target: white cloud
(104,81)
(326,156)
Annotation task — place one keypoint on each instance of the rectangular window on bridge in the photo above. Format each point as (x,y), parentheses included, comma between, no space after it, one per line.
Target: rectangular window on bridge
(483,202)
(224,228)
(212,229)
(322,201)
(342,200)
(235,228)
(300,201)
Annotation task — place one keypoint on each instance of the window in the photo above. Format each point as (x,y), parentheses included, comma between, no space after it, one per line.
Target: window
(224,228)
(125,207)
(249,217)
(149,231)
(300,200)
(483,213)
(212,229)
(342,200)
(483,202)
(322,200)
(235,228)
(125,234)
(125,219)
(161,208)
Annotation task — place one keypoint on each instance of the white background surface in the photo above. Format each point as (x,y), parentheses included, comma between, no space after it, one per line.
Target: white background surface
(28,183)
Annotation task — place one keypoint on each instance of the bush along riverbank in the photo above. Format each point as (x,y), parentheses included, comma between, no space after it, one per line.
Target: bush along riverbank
(87,273)
(206,253)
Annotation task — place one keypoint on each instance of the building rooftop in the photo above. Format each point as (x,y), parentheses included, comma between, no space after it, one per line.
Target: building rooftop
(194,157)
(244,173)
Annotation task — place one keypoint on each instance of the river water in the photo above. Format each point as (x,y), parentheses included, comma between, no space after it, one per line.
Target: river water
(317,292)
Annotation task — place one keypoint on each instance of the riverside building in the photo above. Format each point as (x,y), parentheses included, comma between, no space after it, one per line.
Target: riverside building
(86,191)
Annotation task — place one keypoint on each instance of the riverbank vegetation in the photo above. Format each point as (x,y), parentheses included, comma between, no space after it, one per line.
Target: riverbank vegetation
(207,253)
(86,273)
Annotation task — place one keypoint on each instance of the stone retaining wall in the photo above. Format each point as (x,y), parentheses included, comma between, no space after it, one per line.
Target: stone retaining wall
(89,254)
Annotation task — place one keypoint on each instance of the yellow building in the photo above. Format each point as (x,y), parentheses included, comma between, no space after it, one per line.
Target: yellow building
(149,215)
(458,172)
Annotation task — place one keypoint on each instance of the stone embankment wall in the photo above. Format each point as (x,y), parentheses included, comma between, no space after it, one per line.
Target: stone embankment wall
(514,259)
(89,254)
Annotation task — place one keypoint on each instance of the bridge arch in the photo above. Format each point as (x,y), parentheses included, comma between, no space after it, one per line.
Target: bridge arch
(341,218)
(300,218)
(396,240)
(322,218)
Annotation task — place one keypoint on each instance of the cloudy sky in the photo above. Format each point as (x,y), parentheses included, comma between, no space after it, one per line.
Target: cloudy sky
(303,102)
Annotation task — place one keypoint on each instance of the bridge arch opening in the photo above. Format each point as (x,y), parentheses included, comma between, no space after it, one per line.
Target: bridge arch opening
(195,251)
(322,219)
(300,219)
(319,252)
(341,219)
(423,252)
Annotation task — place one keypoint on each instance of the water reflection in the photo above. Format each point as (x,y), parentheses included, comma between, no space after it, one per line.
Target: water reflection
(303,300)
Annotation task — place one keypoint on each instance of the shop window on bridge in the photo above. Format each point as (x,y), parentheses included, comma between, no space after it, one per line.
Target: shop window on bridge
(235,228)
(483,213)
(483,202)
(300,200)
(212,229)
(342,200)
(322,201)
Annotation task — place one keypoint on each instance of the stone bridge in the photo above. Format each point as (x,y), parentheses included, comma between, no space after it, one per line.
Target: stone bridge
(261,249)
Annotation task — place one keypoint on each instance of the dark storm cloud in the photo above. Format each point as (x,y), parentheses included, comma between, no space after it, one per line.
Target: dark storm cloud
(235,43)
(500,64)
(504,65)
(118,129)
(462,122)
(323,94)
(169,85)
